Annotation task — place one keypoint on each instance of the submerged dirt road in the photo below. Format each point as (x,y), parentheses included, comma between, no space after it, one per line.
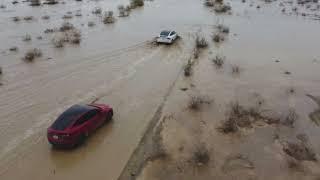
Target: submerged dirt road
(116,64)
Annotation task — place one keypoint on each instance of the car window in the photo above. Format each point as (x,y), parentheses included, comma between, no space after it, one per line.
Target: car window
(172,33)
(164,33)
(86,117)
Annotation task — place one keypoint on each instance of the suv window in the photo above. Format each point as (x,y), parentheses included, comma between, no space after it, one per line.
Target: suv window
(86,117)
(172,33)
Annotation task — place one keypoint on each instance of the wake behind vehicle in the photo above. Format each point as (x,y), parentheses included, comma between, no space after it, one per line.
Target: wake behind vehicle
(76,123)
(167,37)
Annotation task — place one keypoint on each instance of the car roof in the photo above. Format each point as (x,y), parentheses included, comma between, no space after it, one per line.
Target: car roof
(71,114)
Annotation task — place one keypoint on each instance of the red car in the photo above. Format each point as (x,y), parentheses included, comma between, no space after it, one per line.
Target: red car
(76,123)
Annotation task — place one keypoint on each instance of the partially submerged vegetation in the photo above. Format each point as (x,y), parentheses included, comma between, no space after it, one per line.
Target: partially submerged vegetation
(197,101)
(218,61)
(108,17)
(32,54)
(136,3)
(124,11)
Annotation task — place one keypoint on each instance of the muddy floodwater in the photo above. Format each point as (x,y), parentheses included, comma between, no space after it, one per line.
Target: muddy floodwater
(269,54)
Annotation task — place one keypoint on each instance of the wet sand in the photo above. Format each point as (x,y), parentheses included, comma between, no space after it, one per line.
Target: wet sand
(117,65)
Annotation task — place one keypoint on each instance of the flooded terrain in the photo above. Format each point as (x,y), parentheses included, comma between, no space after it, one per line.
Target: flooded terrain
(167,125)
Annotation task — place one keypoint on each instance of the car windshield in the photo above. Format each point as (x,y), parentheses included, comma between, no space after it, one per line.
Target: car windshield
(164,33)
(67,117)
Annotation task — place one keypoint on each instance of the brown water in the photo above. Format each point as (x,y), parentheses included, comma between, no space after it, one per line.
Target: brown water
(116,64)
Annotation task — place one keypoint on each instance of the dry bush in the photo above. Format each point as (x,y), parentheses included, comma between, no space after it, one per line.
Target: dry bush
(201,42)
(91,24)
(78,13)
(223,29)
(201,156)
(45,17)
(66,26)
(299,151)
(222,8)
(188,68)
(218,61)
(108,17)
(290,118)
(35,3)
(49,31)
(27,37)
(1,70)
(51,2)
(123,11)
(39,37)
(58,42)
(218,37)
(235,69)
(209,3)
(2,6)
(13,48)
(67,16)
(241,117)
(28,18)
(196,52)
(136,3)
(196,102)
(75,37)
(16,19)
(97,10)
(32,54)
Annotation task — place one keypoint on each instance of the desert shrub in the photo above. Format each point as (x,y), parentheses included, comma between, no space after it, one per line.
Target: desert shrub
(45,17)
(91,24)
(16,19)
(67,16)
(13,48)
(136,3)
(299,151)
(196,102)
(235,69)
(58,42)
(66,26)
(35,3)
(27,37)
(32,54)
(39,37)
(28,18)
(49,31)
(97,10)
(2,6)
(223,29)
(51,2)
(201,42)
(201,156)
(209,3)
(218,61)
(75,37)
(123,12)
(196,52)
(222,8)
(218,37)
(78,13)
(1,70)
(290,118)
(188,68)
(108,17)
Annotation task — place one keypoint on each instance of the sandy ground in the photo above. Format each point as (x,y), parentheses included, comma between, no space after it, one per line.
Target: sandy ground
(117,64)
